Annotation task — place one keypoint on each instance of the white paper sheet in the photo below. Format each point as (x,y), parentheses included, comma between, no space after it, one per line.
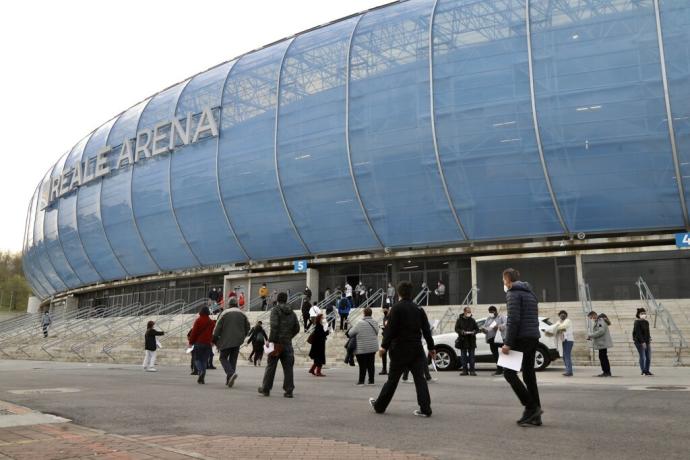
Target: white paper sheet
(190,349)
(269,347)
(512,360)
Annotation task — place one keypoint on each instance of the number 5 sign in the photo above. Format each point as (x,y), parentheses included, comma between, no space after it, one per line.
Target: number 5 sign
(683,240)
(300,266)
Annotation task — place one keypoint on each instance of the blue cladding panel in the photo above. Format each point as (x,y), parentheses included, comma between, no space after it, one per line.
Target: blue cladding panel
(312,153)
(675,22)
(390,128)
(41,252)
(39,282)
(246,157)
(602,114)
(67,225)
(89,221)
(151,192)
(484,125)
(116,202)
(194,185)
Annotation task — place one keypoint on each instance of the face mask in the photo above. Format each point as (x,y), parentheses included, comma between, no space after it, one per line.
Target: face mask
(505,288)
(492,315)
(467,315)
(563,317)
(643,316)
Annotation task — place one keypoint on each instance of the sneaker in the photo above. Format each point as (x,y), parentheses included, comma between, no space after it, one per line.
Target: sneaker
(264,392)
(568,374)
(649,374)
(194,373)
(530,415)
(287,394)
(151,369)
(536,421)
(419,413)
(359,384)
(231,380)
(372,403)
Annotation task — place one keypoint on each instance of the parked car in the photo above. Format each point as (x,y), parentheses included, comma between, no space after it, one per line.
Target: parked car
(448,357)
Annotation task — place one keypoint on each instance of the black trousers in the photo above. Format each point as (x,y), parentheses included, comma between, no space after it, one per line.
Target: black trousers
(604,361)
(366,366)
(287,361)
(402,359)
(527,393)
(305,319)
(384,362)
(494,352)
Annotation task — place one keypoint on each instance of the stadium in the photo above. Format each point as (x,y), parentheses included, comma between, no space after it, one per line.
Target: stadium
(422,140)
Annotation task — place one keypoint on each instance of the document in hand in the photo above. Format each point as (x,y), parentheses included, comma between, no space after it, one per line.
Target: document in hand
(190,349)
(268,348)
(512,360)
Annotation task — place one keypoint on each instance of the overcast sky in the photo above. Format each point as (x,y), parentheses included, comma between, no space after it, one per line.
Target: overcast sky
(68,66)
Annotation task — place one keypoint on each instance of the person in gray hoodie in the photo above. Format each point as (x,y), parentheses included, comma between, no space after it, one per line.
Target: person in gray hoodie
(366,332)
(601,340)
(231,328)
(284,327)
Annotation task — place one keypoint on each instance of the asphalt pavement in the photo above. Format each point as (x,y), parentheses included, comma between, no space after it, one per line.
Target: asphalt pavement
(624,417)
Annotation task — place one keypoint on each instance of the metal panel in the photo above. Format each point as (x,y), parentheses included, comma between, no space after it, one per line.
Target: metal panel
(311,149)
(41,252)
(151,192)
(67,224)
(193,179)
(246,157)
(116,201)
(40,283)
(391,140)
(601,112)
(89,219)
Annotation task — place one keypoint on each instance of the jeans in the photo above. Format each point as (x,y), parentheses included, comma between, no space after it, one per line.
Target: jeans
(287,361)
(343,319)
(415,361)
(467,358)
(149,359)
(228,359)
(604,360)
(567,352)
(645,356)
(202,351)
(366,366)
(527,392)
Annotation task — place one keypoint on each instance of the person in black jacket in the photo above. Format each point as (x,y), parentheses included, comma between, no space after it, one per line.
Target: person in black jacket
(467,329)
(522,334)
(643,339)
(258,338)
(150,345)
(317,352)
(403,339)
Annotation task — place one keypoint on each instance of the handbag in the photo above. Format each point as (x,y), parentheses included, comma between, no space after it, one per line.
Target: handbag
(310,339)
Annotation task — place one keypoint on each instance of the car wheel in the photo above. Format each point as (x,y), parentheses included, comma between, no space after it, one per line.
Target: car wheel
(541,359)
(445,359)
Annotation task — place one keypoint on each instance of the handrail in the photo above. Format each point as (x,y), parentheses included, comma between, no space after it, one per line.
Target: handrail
(674,334)
(586,303)
(450,315)
(422,299)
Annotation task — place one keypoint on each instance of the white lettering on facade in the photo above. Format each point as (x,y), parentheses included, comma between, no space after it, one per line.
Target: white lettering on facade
(126,157)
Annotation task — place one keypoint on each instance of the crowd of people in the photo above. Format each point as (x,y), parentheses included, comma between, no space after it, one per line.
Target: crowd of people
(406,344)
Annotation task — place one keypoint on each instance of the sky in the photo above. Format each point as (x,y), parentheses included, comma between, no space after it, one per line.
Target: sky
(68,66)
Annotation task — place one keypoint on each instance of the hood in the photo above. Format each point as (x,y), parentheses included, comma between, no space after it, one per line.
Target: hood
(284,309)
(521,286)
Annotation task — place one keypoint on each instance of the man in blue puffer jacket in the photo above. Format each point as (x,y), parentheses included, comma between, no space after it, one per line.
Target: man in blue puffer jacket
(522,334)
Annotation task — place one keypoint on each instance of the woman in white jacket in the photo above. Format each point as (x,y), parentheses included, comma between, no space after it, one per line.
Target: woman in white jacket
(565,341)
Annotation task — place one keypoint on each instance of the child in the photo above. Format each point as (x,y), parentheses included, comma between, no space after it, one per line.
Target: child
(150,345)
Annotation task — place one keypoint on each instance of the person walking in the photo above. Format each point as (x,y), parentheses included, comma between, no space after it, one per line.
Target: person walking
(403,337)
(565,340)
(263,293)
(46,320)
(317,352)
(274,298)
(643,340)
(284,327)
(306,306)
(440,293)
(200,337)
(366,333)
(494,327)
(228,335)
(314,311)
(384,357)
(257,338)
(522,334)
(344,306)
(150,347)
(348,292)
(307,293)
(390,295)
(601,341)
(467,329)
(330,316)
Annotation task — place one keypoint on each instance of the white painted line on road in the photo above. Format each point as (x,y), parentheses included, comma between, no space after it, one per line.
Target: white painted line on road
(43,391)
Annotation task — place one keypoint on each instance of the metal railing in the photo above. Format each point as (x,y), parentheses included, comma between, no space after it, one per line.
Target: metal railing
(675,336)
(451,314)
(422,299)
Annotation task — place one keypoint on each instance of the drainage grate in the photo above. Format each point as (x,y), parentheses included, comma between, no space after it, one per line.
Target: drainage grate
(668,388)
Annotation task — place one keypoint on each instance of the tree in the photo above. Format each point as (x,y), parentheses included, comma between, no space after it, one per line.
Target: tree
(14,290)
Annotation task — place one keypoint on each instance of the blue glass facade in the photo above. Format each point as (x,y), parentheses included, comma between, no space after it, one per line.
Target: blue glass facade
(419,124)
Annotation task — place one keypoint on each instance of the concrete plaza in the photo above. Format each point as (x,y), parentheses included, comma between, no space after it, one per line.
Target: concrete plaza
(119,411)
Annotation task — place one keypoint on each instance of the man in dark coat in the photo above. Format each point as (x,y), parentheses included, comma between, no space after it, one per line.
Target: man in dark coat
(407,324)
(522,334)
(466,328)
